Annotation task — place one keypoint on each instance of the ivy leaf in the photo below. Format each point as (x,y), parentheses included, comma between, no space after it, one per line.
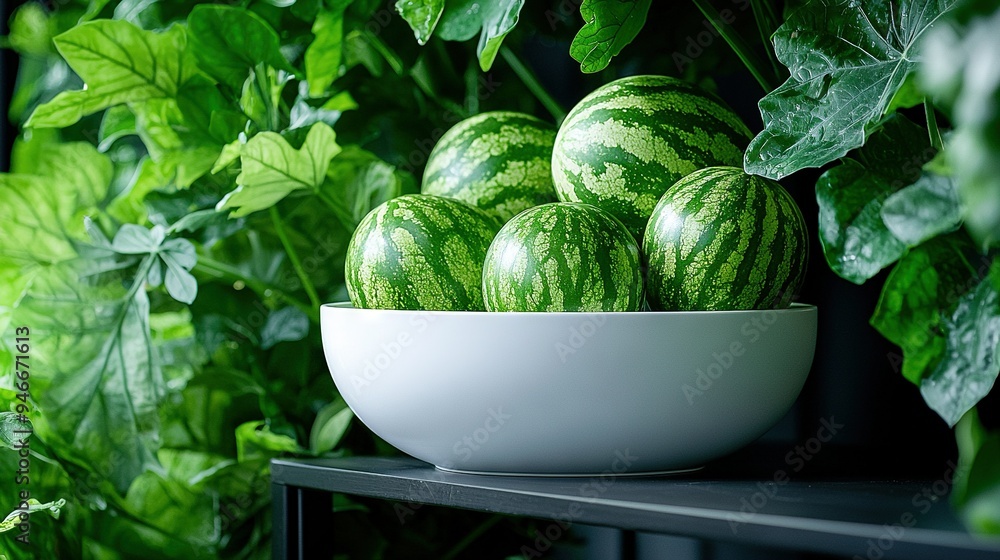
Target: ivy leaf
(228,41)
(462,19)
(919,297)
(272,168)
(856,242)
(847,60)
(955,72)
(925,209)
(971,360)
(119,63)
(610,26)
(422,15)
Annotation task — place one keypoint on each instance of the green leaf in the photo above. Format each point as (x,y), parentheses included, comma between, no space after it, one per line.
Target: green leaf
(13,429)
(118,122)
(856,242)
(976,490)
(31,30)
(180,284)
(228,41)
(422,15)
(119,63)
(971,360)
(331,424)
(272,168)
(610,26)
(925,209)
(955,73)
(254,440)
(36,207)
(462,19)
(322,58)
(287,324)
(99,405)
(919,297)
(360,181)
(132,239)
(34,506)
(847,60)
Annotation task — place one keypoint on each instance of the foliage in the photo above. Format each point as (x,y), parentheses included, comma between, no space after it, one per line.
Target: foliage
(188,174)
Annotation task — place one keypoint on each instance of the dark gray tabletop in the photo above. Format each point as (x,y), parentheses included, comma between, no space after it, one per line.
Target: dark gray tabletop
(867,519)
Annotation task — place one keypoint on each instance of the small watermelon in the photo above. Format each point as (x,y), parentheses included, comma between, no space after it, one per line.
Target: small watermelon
(563,256)
(499,162)
(721,239)
(419,252)
(623,145)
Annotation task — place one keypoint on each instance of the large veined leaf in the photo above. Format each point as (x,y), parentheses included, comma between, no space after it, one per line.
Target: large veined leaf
(927,208)
(856,242)
(610,26)
(228,41)
(92,355)
(920,296)
(971,360)
(272,169)
(957,72)
(119,63)
(847,59)
(462,19)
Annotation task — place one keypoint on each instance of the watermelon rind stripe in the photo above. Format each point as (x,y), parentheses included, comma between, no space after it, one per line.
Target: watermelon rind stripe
(419,252)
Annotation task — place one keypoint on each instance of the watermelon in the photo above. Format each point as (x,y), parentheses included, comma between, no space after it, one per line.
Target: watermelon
(499,162)
(563,256)
(419,252)
(626,143)
(721,239)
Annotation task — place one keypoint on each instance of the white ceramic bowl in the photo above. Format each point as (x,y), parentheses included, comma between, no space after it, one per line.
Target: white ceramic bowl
(568,393)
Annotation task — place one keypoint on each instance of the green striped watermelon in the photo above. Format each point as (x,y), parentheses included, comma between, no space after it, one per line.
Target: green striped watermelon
(419,252)
(721,239)
(623,145)
(499,162)
(563,256)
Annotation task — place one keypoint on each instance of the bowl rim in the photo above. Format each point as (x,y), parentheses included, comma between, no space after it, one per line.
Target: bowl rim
(793,309)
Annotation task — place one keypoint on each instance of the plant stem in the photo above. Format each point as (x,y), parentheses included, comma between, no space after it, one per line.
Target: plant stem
(533,85)
(279,228)
(471,537)
(388,54)
(739,46)
(212,267)
(472,87)
(932,128)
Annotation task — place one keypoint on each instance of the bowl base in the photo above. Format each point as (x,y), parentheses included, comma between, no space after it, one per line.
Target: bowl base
(637,474)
